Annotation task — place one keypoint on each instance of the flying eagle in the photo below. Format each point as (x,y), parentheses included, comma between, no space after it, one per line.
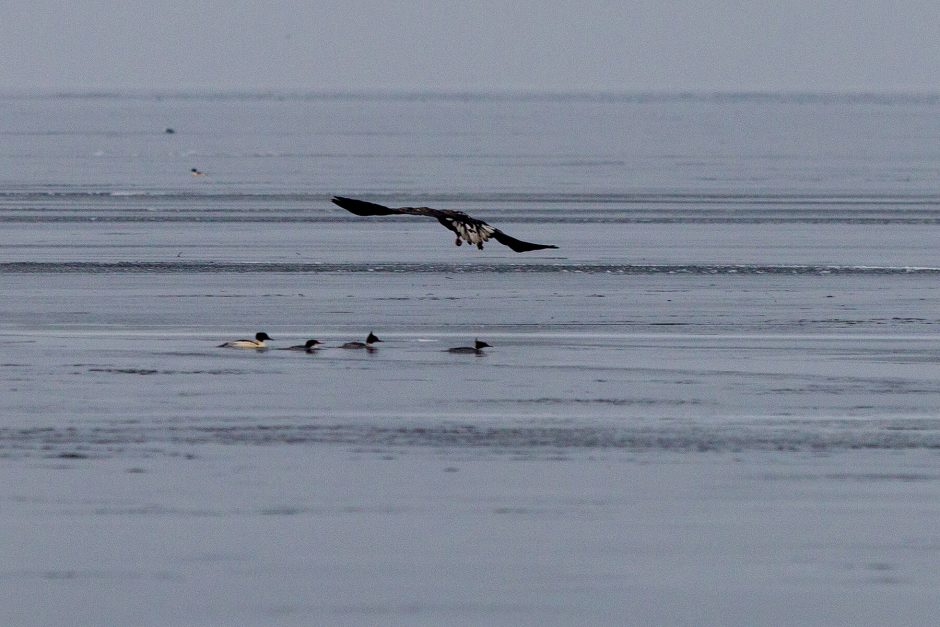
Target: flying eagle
(468,229)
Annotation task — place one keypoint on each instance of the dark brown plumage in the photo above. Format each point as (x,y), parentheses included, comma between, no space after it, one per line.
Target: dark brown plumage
(466,228)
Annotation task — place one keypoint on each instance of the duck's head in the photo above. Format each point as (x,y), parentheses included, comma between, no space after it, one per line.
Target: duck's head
(477,344)
(262,336)
(311,343)
(372,338)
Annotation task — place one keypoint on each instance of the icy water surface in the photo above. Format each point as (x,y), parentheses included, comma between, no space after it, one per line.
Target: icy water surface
(718,402)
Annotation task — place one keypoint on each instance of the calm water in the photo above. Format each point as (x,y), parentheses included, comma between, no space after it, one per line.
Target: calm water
(749,276)
(792,235)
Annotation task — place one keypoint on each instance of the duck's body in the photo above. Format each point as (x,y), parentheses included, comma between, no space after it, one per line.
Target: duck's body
(309,346)
(197,172)
(466,228)
(370,340)
(476,349)
(257,343)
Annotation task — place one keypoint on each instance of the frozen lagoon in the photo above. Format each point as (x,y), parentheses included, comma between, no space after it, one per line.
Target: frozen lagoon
(706,443)
(716,403)
(326,534)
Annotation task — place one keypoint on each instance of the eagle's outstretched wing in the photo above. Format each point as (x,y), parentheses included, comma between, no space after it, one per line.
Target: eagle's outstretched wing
(467,228)
(517,244)
(363,208)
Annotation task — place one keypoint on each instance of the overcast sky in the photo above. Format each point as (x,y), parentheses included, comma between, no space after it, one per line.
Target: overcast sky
(804,45)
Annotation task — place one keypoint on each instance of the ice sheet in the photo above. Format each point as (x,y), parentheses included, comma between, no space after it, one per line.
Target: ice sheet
(716,403)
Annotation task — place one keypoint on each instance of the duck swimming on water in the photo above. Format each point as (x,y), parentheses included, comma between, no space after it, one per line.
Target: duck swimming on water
(370,340)
(309,346)
(257,343)
(476,349)
(467,229)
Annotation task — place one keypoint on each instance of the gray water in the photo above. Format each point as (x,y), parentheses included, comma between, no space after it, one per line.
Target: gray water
(740,321)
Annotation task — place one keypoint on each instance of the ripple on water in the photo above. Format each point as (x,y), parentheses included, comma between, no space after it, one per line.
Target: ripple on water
(545,267)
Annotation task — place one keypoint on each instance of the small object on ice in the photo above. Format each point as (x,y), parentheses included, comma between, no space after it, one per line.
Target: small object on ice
(169,131)
(197,172)
(467,229)
(71,455)
(370,340)
(309,346)
(476,349)
(256,343)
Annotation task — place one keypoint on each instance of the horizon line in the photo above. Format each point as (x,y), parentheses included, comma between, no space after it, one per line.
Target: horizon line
(379,93)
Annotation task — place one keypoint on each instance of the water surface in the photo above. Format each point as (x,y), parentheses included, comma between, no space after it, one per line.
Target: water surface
(727,372)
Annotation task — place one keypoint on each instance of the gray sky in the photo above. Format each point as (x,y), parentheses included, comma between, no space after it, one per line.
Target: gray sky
(806,45)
